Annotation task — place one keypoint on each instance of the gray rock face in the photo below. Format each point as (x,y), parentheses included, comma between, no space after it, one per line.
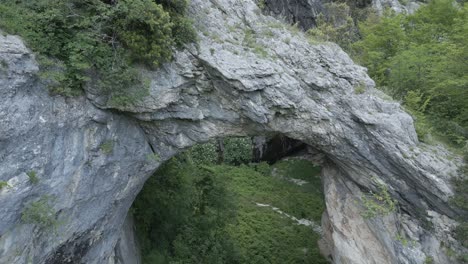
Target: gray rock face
(408,7)
(249,75)
(303,12)
(306,12)
(61,140)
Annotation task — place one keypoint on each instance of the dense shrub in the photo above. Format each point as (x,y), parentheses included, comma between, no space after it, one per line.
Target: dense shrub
(181,215)
(238,150)
(196,211)
(421,60)
(233,151)
(461,233)
(93,42)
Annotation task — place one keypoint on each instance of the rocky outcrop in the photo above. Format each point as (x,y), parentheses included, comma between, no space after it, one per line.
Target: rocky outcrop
(304,13)
(248,75)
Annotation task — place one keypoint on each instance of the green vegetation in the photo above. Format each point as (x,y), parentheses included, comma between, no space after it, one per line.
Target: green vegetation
(153,157)
(421,60)
(107,147)
(405,241)
(97,42)
(32,177)
(360,89)
(250,41)
(40,213)
(378,204)
(429,260)
(461,233)
(338,26)
(3,184)
(197,210)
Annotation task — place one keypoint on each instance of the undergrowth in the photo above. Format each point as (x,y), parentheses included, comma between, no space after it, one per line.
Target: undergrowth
(96,43)
(194,210)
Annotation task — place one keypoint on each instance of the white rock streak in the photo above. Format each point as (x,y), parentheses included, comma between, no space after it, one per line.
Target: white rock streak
(317,228)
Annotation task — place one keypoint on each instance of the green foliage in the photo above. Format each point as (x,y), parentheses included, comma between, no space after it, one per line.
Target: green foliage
(153,157)
(261,4)
(107,147)
(360,89)
(405,241)
(181,214)
(337,26)
(204,153)
(233,151)
(3,184)
(238,150)
(460,199)
(421,60)
(461,233)
(429,260)
(93,43)
(193,211)
(40,213)
(250,41)
(32,177)
(378,204)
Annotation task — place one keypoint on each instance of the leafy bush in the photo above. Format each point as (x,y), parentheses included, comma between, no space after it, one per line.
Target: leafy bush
(193,211)
(181,214)
(460,199)
(40,213)
(461,233)
(378,204)
(421,59)
(94,43)
(238,150)
(204,153)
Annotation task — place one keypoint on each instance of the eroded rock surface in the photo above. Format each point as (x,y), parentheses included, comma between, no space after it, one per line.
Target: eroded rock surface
(305,12)
(248,75)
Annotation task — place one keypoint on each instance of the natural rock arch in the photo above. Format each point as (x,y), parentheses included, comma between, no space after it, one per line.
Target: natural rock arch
(223,87)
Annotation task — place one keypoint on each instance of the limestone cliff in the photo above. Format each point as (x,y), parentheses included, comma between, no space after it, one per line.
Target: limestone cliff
(248,75)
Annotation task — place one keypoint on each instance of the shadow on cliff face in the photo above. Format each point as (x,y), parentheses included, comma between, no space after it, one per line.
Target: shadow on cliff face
(232,200)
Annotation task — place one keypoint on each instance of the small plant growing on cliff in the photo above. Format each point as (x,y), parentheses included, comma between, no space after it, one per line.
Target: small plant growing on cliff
(404,241)
(40,213)
(261,4)
(378,204)
(461,233)
(153,157)
(360,89)
(107,147)
(429,260)
(32,177)
(3,184)
(3,64)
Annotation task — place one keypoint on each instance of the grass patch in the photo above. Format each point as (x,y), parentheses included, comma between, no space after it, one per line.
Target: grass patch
(40,213)
(107,147)
(32,175)
(3,184)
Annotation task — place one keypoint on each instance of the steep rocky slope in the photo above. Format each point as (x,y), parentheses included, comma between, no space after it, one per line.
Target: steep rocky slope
(306,12)
(248,75)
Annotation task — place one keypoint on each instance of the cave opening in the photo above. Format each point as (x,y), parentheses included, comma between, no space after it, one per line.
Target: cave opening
(231,200)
